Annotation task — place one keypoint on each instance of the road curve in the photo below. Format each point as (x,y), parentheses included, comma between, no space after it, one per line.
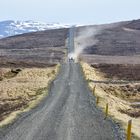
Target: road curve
(68,113)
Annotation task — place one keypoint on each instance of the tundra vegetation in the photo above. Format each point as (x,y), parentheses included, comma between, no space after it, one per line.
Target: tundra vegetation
(119,86)
(22,89)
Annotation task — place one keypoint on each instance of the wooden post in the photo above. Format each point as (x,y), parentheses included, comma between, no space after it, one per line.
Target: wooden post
(106,111)
(97,100)
(129,130)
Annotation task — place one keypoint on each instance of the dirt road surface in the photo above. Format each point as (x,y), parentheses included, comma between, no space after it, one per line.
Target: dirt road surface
(68,113)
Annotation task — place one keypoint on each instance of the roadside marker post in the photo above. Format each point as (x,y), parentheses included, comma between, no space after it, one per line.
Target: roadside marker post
(106,111)
(129,130)
(94,89)
(97,100)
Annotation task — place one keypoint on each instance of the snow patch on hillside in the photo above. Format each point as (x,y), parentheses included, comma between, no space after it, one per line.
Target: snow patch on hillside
(11,28)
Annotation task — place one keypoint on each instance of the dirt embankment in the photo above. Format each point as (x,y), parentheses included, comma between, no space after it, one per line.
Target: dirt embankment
(20,87)
(118,85)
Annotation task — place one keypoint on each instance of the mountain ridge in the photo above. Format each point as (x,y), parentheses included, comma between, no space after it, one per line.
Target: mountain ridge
(12,28)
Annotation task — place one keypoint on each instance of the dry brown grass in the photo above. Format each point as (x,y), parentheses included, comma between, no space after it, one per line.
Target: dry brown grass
(23,90)
(120,97)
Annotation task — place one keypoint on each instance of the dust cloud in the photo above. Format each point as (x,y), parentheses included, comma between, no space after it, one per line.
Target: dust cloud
(84,38)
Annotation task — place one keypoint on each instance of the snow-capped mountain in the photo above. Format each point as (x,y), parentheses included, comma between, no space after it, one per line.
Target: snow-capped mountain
(11,28)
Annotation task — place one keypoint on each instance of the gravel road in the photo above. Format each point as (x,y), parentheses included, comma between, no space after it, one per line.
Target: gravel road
(68,113)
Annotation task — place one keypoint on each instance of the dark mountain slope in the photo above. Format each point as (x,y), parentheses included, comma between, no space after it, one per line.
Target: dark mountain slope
(117,43)
(118,39)
(135,24)
(34,49)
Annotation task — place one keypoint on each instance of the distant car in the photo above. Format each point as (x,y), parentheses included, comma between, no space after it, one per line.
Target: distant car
(71,59)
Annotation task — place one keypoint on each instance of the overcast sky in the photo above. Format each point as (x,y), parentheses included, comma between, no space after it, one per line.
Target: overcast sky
(70,11)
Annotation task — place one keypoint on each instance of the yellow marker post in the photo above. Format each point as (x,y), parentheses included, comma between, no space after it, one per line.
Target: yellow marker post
(129,130)
(97,100)
(106,111)
(94,89)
